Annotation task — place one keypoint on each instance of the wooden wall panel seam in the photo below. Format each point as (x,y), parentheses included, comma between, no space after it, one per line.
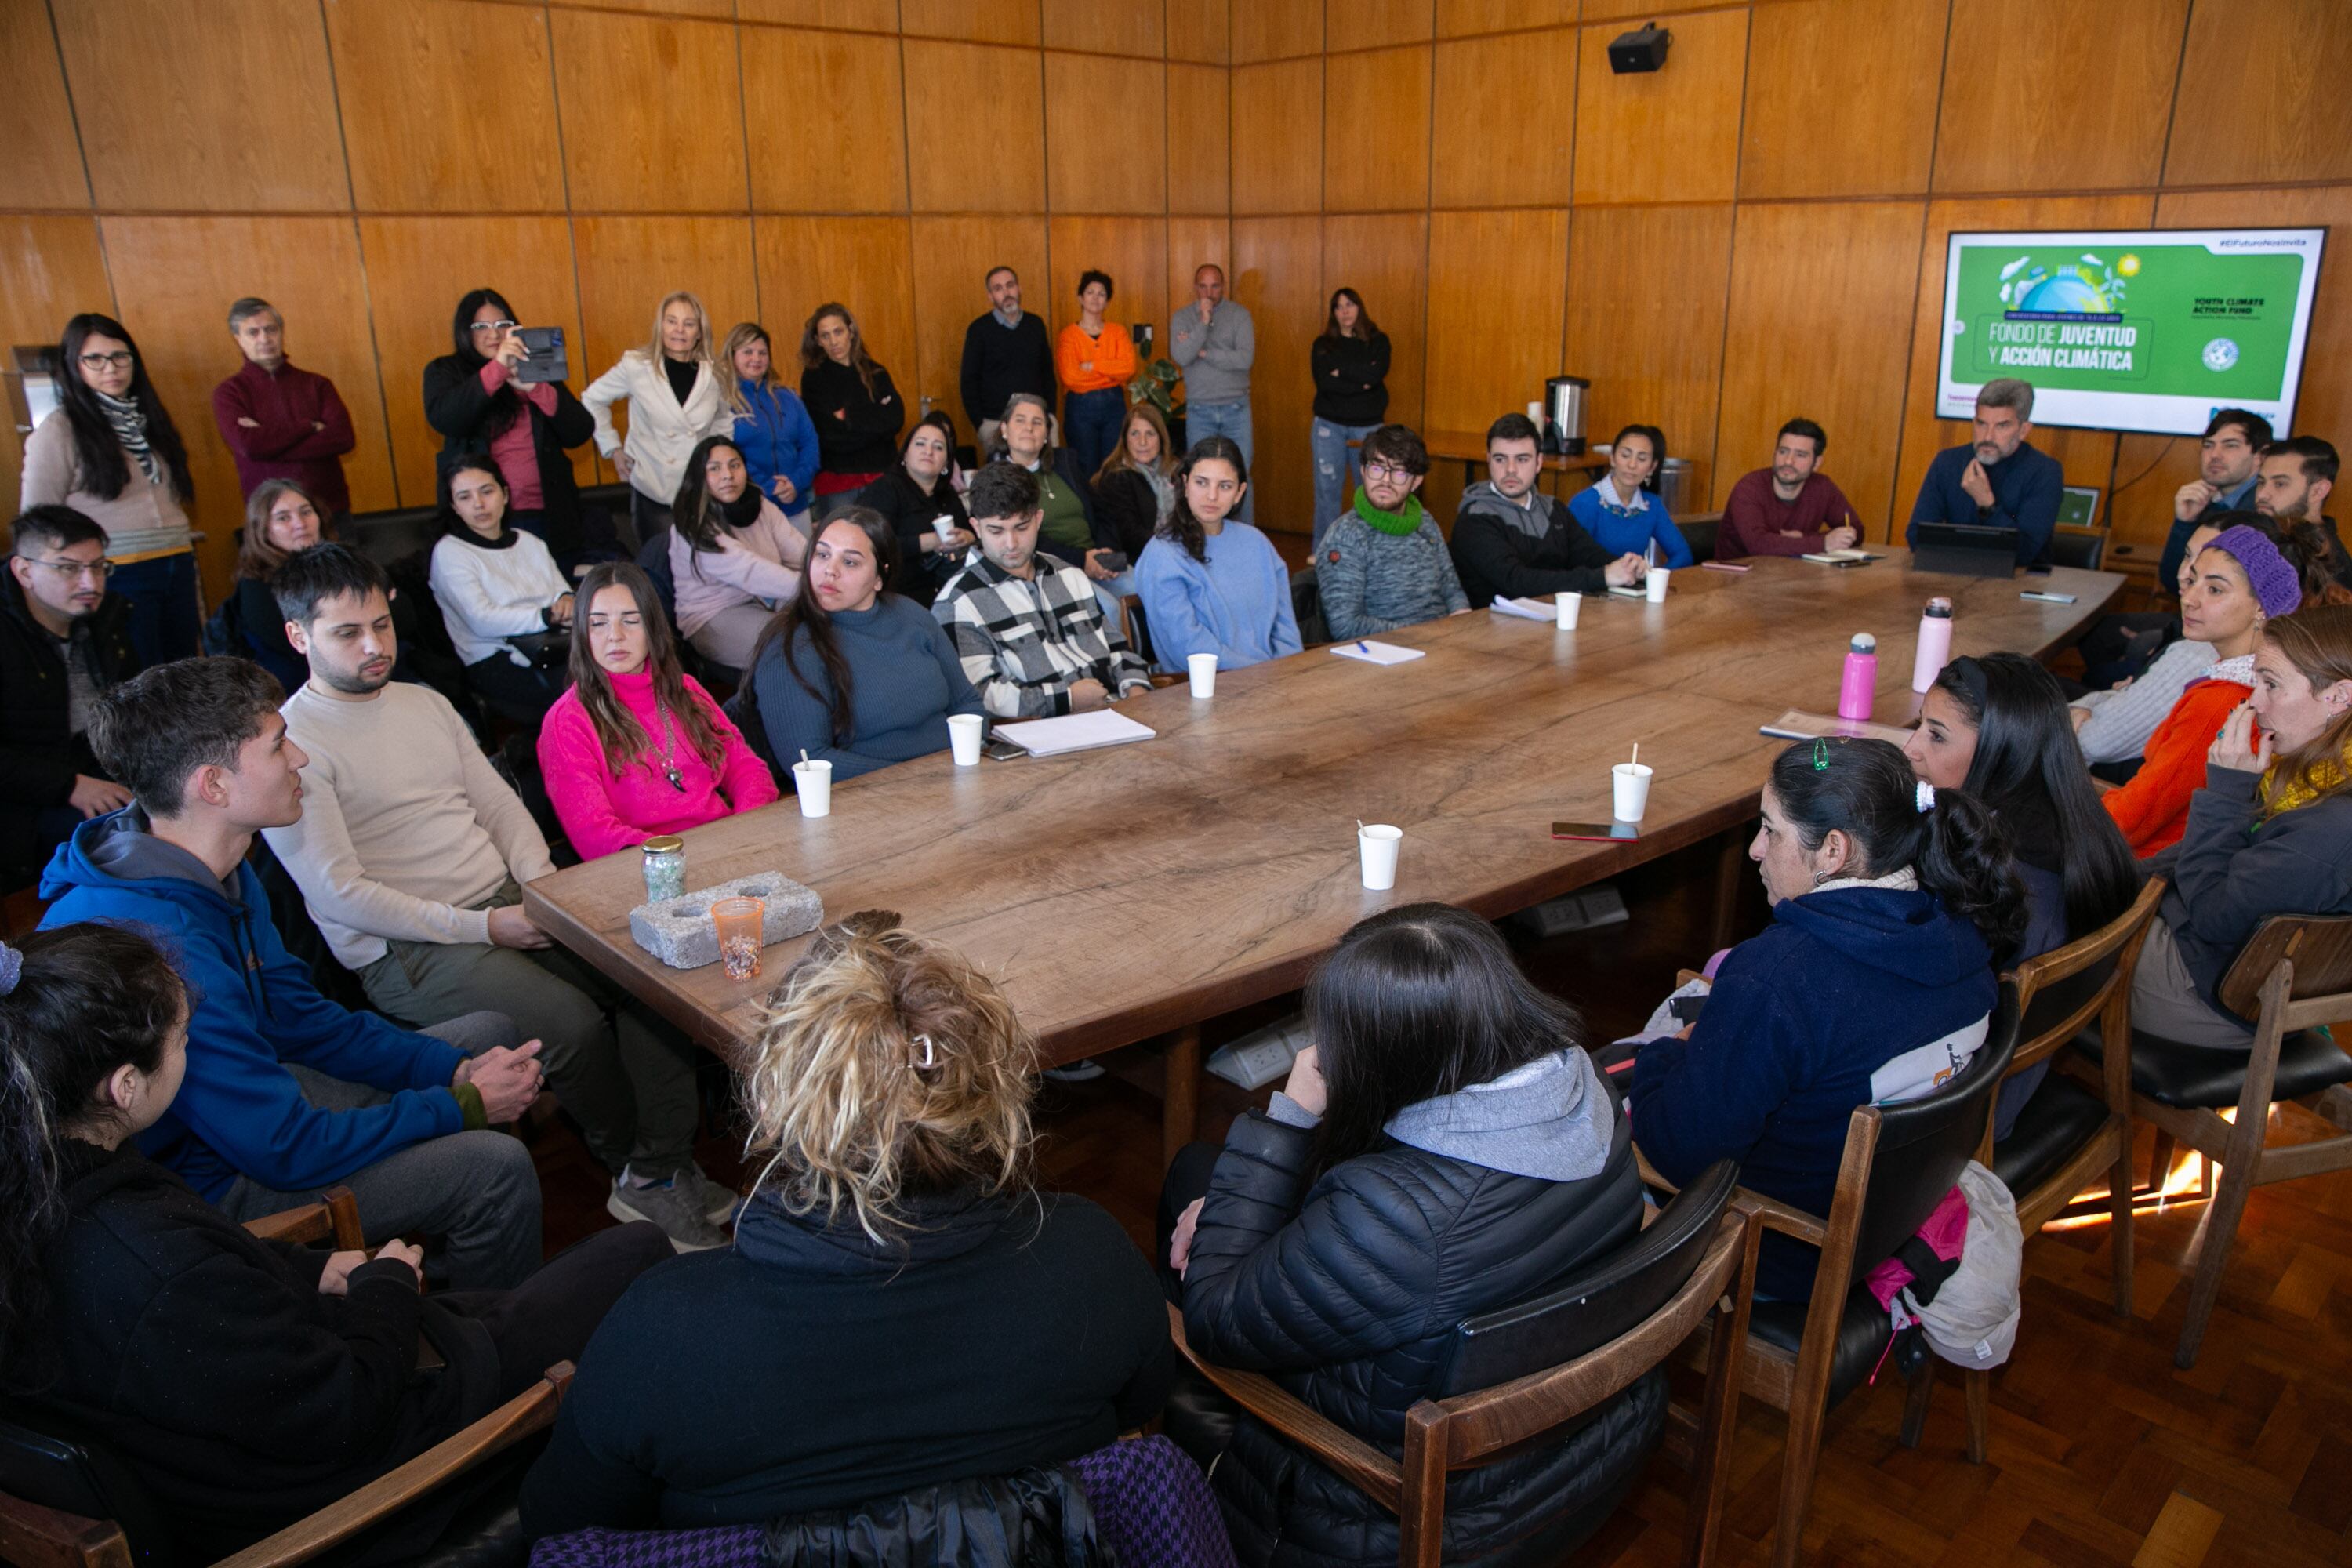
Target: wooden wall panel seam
(1716,491)
(73,111)
(359,250)
(2172,109)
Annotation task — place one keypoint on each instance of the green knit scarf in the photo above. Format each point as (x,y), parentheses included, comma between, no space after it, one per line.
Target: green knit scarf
(1398,523)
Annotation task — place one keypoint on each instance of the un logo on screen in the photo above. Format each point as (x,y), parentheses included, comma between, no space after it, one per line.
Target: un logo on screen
(2220,354)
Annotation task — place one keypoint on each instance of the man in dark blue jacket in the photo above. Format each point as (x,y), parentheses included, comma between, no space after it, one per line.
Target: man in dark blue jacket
(1997,480)
(288,1093)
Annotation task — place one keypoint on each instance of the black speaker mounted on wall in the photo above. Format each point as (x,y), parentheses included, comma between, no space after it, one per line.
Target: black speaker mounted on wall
(1643,50)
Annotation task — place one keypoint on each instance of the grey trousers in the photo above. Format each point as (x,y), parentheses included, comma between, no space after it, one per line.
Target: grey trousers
(476,1189)
(628,1079)
(2165,1002)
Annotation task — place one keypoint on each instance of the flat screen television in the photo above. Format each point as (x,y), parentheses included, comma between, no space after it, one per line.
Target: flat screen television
(2141,329)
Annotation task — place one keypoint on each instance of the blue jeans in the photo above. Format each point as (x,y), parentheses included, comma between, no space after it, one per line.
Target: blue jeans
(1091,425)
(1203,420)
(165,623)
(1336,462)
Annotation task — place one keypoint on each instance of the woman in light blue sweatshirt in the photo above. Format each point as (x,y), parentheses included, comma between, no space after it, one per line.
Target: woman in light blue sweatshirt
(859,675)
(1211,584)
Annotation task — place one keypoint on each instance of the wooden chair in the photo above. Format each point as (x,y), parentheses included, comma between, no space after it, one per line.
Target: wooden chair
(1803,1357)
(2069,1132)
(84,1477)
(2294,976)
(1511,1376)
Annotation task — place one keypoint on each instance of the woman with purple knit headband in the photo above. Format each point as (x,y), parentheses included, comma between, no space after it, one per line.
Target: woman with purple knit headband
(2240,581)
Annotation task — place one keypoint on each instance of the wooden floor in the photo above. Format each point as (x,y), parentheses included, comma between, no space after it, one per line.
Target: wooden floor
(2102,1453)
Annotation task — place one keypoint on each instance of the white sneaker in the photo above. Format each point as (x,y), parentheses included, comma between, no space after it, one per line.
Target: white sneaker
(1085,1070)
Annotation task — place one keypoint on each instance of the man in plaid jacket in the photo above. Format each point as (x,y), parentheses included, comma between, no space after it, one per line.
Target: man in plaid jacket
(1030,631)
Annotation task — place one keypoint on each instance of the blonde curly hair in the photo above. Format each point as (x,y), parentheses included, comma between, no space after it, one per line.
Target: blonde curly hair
(841,1099)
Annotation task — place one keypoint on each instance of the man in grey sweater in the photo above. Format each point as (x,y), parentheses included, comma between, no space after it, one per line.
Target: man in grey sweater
(1215,344)
(410,853)
(1382,563)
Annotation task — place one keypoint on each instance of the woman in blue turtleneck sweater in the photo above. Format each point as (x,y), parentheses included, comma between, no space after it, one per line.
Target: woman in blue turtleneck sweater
(859,675)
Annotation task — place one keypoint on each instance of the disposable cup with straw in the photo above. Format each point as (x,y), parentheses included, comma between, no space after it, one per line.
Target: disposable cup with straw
(813,783)
(1632,784)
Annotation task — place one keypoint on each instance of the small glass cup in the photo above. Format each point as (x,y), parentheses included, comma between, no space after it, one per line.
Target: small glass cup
(739,922)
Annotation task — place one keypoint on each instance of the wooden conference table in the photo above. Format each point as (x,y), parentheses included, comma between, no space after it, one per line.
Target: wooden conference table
(1129,892)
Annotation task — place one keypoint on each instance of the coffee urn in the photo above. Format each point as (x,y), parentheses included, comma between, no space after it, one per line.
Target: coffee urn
(1564,400)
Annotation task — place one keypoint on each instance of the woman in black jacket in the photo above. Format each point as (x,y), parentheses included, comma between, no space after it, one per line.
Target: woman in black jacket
(900,1306)
(472,398)
(1445,1148)
(918,497)
(244,1383)
(1135,489)
(1350,362)
(858,411)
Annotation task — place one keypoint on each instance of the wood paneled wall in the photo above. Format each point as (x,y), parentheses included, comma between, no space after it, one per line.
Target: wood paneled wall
(1755,232)
(362,163)
(1758,231)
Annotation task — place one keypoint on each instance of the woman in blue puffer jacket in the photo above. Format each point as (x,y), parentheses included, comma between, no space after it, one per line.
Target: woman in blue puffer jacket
(773,428)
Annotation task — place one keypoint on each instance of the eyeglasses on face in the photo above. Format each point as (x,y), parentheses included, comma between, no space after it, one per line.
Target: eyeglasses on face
(71,571)
(120,359)
(1385,472)
(494,326)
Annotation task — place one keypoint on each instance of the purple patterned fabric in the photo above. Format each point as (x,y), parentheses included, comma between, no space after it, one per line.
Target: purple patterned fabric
(1151,1505)
(725,1546)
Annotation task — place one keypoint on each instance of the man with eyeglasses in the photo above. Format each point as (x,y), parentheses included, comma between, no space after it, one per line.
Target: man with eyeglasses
(63,640)
(1512,541)
(1382,565)
(278,422)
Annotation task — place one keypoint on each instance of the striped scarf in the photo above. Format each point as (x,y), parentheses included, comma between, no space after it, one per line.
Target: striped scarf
(129,422)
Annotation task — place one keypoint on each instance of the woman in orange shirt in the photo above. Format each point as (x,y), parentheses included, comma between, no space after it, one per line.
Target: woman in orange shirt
(2239,581)
(1096,360)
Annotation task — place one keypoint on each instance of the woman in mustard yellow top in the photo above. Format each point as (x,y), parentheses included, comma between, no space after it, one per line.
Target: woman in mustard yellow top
(1096,360)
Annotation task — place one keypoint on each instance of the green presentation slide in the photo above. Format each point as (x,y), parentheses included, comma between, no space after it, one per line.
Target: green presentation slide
(2148,331)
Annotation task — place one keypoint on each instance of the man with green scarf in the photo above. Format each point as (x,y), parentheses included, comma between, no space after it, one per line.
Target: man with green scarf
(1382,563)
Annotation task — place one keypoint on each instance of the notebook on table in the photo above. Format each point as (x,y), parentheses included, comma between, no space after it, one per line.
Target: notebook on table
(1526,609)
(1840,557)
(1797,724)
(1376,652)
(1073,733)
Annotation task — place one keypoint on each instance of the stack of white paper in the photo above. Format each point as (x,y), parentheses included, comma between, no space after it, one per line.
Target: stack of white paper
(1527,609)
(1073,733)
(1376,652)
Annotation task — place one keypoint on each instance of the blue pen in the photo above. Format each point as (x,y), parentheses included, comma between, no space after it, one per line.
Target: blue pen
(1363,647)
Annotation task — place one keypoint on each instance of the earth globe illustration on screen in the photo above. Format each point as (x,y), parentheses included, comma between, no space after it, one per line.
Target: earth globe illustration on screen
(2088,287)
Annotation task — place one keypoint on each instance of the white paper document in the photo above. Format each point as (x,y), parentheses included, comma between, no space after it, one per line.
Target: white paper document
(1376,652)
(1526,609)
(1073,733)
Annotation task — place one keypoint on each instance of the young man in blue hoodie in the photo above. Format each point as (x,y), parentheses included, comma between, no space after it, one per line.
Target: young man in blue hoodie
(288,1093)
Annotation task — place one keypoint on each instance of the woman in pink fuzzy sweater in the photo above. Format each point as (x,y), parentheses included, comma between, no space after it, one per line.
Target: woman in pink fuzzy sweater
(636,748)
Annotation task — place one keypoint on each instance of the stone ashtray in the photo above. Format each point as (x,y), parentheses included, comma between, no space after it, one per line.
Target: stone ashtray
(678,931)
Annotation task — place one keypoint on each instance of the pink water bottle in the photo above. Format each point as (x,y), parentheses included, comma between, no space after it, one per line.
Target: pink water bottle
(1861,683)
(1935,643)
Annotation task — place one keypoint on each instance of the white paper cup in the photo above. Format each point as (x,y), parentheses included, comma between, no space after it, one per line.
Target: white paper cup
(1655,584)
(814,780)
(964,734)
(1379,843)
(1633,786)
(1204,669)
(1568,607)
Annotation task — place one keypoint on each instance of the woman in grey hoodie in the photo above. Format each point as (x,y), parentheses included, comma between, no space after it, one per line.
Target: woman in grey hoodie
(1445,1148)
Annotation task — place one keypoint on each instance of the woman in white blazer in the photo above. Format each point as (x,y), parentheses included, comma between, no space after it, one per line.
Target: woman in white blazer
(675,395)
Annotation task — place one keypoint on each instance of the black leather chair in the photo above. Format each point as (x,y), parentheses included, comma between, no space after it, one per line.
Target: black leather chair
(1699,532)
(68,1501)
(2293,978)
(1803,1357)
(2079,547)
(1541,1369)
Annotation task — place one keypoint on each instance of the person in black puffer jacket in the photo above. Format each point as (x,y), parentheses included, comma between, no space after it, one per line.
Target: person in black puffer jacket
(1347,1230)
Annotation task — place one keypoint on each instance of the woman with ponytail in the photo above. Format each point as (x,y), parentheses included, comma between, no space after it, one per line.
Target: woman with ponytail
(1873,982)
(1997,728)
(901,1306)
(2270,833)
(246,1382)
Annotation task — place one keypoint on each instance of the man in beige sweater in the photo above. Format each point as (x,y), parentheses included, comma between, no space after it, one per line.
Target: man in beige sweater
(409,854)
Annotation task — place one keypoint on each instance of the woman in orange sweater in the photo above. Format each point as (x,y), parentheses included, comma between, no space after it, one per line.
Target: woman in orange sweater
(1096,360)
(2239,581)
